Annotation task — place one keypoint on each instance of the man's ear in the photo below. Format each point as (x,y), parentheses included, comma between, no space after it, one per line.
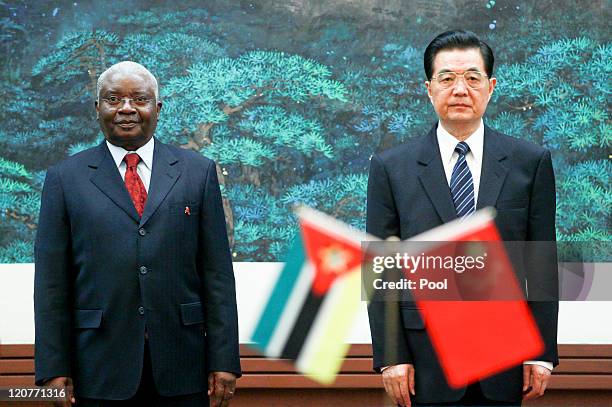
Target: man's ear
(492,84)
(97,110)
(428,86)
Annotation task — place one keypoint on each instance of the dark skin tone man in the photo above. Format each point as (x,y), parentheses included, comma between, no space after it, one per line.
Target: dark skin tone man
(127,110)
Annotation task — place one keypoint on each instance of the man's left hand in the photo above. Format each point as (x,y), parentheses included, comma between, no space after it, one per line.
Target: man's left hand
(535,380)
(221,387)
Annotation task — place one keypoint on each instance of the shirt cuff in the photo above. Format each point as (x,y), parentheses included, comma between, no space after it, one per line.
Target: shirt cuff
(547,365)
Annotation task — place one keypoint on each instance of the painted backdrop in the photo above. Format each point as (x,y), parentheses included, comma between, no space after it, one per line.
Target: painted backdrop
(291,98)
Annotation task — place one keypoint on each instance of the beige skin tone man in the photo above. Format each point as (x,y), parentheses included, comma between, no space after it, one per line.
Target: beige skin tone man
(460,109)
(131,125)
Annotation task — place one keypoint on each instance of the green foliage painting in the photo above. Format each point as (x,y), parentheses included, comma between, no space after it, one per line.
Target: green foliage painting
(291,99)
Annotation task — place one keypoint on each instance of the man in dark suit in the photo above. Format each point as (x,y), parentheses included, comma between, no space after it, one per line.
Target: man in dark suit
(461,165)
(134,292)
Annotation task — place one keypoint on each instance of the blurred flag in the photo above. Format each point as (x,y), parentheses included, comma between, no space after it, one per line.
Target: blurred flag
(475,339)
(315,300)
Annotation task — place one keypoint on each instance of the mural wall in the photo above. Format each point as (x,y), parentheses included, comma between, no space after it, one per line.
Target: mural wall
(291,98)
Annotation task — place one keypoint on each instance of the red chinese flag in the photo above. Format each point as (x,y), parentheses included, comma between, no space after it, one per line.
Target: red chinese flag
(476,339)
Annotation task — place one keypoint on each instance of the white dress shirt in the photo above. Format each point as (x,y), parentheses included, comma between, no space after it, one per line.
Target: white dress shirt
(447,144)
(145,165)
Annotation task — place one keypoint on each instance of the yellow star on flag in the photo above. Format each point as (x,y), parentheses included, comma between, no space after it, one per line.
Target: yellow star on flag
(334,259)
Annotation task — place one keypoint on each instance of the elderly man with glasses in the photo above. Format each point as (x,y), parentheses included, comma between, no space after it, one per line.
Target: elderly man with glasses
(461,165)
(134,293)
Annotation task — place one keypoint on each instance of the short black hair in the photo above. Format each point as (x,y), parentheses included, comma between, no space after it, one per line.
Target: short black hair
(457,39)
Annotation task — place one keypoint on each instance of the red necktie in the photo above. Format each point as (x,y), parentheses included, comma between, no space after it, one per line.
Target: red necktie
(134,184)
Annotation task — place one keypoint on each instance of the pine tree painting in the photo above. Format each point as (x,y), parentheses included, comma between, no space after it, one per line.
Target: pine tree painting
(292,99)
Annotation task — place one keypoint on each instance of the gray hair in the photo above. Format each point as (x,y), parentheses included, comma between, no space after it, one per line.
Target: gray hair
(131,67)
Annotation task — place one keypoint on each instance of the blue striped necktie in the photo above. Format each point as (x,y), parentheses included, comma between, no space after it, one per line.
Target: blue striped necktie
(462,185)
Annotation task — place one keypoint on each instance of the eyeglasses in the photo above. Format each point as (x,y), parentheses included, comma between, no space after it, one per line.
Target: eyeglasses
(116,102)
(472,79)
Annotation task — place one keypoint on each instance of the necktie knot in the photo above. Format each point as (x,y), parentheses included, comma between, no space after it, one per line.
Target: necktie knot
(462,148)
(131,160)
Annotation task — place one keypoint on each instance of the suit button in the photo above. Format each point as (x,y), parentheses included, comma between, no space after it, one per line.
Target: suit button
(141,310)
(142,232)
(143,270)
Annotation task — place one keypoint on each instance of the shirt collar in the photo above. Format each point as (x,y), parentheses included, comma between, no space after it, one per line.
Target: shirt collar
(448,142)
(145,152)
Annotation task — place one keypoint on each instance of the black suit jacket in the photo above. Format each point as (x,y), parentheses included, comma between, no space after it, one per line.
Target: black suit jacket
(408,194)
(103,275)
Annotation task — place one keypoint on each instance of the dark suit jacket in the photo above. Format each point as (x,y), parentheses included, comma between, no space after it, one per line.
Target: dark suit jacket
(408,194)
(103,275)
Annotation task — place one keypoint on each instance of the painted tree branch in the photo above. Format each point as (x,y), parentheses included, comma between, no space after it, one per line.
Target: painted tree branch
(27,219)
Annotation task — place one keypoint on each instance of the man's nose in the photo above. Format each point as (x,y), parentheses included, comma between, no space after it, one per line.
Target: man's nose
(460,87)
(125,106)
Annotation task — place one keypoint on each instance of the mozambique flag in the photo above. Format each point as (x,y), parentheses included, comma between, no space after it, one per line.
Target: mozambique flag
(315,300)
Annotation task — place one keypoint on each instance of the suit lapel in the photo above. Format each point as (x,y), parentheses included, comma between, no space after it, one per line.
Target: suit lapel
(108,180)
(493,171)
(164,175)
(433,178)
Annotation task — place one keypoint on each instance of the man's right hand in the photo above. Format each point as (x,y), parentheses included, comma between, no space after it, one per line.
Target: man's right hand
(398,380)
(63,382)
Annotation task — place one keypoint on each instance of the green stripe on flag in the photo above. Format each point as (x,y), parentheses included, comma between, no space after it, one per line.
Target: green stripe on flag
(280,295)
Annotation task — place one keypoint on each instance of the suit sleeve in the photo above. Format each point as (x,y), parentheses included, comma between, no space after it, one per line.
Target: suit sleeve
(219,290)
(541,257)
(389,343)
(52,282)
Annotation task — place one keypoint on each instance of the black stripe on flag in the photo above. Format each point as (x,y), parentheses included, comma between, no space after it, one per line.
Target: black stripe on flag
(302,326)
